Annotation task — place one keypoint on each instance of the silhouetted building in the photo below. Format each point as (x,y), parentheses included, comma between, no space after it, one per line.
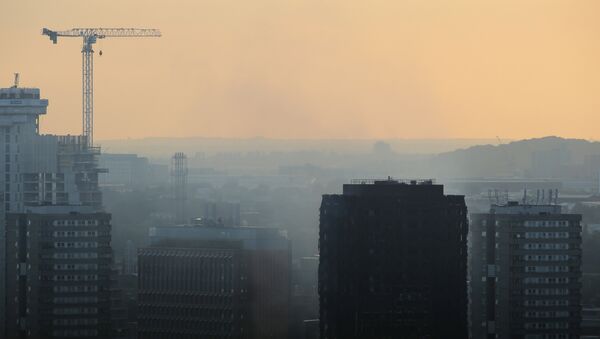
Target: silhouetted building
(59,274)
(525,272)
(214,282)
(393,261)
(305,296)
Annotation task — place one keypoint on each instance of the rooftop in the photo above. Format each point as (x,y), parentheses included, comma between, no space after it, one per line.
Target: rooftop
(250,237)
(393,187)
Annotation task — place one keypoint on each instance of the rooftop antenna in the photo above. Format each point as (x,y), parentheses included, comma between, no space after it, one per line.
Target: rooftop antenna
(556,196)
(16,80)
(550,197)
(525,196)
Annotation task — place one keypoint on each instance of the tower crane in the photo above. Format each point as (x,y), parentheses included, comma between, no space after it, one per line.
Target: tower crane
(90,36)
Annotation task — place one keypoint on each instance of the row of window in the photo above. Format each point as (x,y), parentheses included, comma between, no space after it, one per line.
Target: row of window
(546,269)
(82,255)
(73,267)
(75,289)
(75,310)
(546,235)
(546,246)
(547,314)
(192,311)
(183,299)
(548,257)
(75,223)
(546,302)
(74,234)
(75,322)
(75,300)
(546,223)
(546,280)
(79,244)
(547,291)
(75,277)
(547,325)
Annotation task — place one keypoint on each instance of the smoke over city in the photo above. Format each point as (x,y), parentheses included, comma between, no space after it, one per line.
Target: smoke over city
(299,169)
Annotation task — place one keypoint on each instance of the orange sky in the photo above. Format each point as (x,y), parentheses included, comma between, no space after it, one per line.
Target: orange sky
(317,68)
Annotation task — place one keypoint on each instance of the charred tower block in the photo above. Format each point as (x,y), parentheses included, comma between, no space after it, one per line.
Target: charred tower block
(525,273)
(393,261)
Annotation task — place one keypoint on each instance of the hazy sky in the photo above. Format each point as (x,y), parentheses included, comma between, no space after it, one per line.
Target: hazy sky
(317,68)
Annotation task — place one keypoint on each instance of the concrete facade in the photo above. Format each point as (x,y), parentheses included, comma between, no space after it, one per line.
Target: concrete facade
(525,273)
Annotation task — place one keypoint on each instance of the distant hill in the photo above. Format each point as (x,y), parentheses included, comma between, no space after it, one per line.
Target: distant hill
(548,157)
(165,147)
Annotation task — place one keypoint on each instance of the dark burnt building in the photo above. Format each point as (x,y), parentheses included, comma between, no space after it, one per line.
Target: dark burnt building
(393,261)
(525,272)
(214,282)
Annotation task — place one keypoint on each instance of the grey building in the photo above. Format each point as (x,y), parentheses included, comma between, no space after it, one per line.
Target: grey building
(222,212)
(393,261)
(525,273)
(214,282)
(128,171)
(59,278)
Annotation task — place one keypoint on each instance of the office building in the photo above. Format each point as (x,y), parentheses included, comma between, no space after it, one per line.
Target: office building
(214,281)
(393,261)
(525,272)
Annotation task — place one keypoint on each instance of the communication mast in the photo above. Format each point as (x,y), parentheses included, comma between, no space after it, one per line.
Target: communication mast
(179,173)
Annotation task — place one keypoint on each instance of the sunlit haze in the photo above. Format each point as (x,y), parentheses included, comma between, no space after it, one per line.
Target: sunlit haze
(316,69)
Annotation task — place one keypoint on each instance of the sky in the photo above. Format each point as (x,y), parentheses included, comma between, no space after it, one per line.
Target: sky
(316,68)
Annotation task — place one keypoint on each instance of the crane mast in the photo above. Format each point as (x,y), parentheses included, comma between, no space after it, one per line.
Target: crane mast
(90,36)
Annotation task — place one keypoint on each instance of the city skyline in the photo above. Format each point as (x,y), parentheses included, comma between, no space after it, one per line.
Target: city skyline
(296,69)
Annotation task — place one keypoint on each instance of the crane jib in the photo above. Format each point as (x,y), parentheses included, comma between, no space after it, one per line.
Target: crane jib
(90,35)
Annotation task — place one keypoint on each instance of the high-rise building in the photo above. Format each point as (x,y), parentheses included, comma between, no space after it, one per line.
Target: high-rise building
(59,274)
(55,265)
(525,273)
(393,261)
(214,282)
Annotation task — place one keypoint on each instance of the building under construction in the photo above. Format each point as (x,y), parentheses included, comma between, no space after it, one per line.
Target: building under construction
(55,236)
